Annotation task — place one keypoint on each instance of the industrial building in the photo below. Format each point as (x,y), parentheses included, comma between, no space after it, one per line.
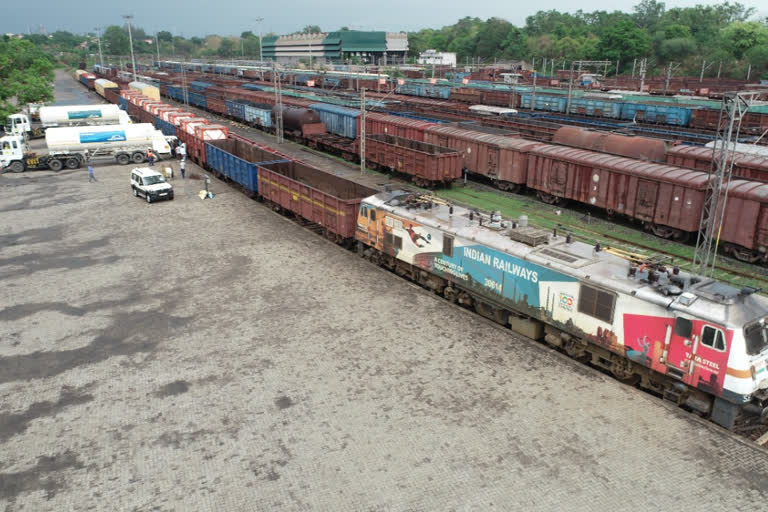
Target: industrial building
(434,57)
(338,47)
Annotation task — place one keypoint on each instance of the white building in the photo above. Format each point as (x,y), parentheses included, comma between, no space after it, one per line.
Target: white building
(438,58)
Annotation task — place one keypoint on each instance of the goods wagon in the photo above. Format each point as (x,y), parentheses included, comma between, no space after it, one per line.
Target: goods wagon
(596,107)
(397,126)
(199,86)
(147,90)
(255,114)
(427,164)
(744,233)
(238,161)
(327,200)
(300,122)
(501,98)
(641,148)
(178,93)
(424,90)
(102,84)
(164,126)
(662,113)
(216,104)
(668,200)
(749,167)
(499,158)
(338,120)
(467,95)
(544,102)
(197,99)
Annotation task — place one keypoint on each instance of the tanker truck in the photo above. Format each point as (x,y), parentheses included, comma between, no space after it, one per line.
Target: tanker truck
(74,146)
(74,115)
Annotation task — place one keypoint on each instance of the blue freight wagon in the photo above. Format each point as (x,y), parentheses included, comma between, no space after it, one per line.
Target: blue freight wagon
(178,94)
(199,86)
(198,100)
(339,120)
(665,113)
(597,107)
(165,127)
(544,102)
(258,114)
(235,168)
(252,87)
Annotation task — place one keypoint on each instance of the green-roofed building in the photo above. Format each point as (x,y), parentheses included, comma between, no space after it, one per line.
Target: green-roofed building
(338,47)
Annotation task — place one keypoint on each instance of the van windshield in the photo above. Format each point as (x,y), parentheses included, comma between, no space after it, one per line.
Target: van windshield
(756,336)
(153,180)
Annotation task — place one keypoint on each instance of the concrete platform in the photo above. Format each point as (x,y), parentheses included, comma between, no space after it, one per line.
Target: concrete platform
(212,355)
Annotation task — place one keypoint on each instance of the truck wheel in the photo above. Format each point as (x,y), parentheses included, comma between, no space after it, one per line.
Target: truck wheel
(72,163)
(149,198)
(55,165)
(135,193)
(138,157)
(16,166)
(123,159)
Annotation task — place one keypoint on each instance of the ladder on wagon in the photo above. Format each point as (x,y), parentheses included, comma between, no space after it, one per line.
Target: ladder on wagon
(732,110)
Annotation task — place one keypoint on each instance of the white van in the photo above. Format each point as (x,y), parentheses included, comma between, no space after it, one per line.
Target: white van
(150,184)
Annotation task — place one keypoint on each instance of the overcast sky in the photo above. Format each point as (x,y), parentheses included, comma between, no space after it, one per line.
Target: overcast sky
(231,17)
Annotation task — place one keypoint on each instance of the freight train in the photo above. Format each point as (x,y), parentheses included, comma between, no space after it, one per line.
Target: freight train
(698,112)
(665,200)
(700,343)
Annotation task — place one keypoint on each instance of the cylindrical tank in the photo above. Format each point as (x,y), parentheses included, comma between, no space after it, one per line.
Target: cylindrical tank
(78,138)
(294,118)
(640,148)
(79,114)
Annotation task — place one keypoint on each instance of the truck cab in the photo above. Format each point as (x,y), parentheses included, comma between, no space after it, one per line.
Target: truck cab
(12,152)
(17,124)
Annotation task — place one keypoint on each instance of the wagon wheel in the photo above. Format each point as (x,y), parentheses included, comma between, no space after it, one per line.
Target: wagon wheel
(548,198)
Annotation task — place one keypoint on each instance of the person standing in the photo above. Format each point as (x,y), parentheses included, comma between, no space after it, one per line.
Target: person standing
(151,157)
(91,177)
(182,166)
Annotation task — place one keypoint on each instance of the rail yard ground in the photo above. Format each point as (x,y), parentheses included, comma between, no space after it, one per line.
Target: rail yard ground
(213,355)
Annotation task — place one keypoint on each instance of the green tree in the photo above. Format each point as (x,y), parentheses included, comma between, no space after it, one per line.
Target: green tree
(624,41)
(226,48)
(26,75)
(115,40)
(490,39)
(515,44)
(678,48)
(648,13)
(740,37)
(165,36)
(311,29)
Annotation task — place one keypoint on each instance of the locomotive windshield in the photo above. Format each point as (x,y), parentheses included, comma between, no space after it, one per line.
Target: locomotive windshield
(756,336)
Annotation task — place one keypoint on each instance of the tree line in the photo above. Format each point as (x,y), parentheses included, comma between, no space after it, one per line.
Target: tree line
(723,35)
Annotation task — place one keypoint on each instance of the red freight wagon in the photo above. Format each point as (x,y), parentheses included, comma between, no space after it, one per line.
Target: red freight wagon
(322,198)
(667,199)
(691,157)
(745,224)
(175,118)
(394,125)
(216,104)
(426,163)
(500,158)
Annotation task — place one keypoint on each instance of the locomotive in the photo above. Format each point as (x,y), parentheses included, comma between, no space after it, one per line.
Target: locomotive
(698,342)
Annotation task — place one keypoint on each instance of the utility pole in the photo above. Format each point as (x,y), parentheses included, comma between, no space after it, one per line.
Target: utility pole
(732,110)
(701,75)
(749,71)
(533,94)
(157,42)
(278,104)
(261,54)
(570,90)
(128,18)
(719,68)
(643,64)
(671,67)
(362,131)
(634,64)
(98,38)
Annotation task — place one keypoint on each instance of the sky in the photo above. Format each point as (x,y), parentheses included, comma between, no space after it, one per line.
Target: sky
(231,17)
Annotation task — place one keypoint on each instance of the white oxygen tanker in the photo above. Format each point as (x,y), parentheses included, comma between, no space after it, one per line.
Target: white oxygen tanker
(73,146)
(73,115)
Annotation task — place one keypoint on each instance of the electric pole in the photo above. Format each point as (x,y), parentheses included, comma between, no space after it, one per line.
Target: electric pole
(129,17)
(98,38)
(362,131)
(732,110)
(278,104)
